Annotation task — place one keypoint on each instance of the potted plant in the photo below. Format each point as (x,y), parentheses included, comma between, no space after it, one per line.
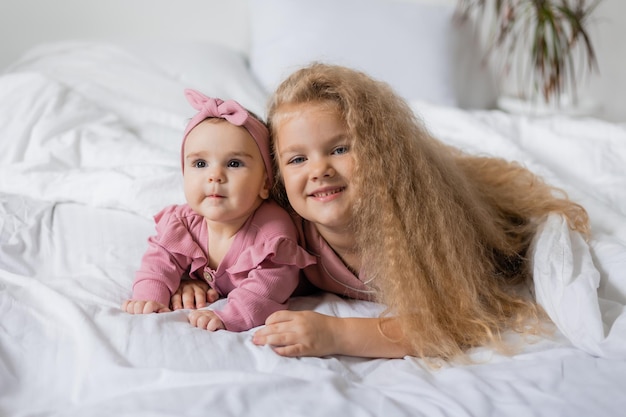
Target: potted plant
(542,48)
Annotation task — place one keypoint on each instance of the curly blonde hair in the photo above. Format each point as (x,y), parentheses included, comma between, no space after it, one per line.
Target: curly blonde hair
(445,235)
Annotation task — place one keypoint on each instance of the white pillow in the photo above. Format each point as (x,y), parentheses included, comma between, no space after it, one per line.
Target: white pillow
(409,45)
(213,69)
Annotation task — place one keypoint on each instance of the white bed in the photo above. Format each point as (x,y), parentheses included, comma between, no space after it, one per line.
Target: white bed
(89,140)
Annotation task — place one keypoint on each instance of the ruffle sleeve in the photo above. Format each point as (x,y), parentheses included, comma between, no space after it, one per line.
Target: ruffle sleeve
(263,277)
(279,250)
(171,252)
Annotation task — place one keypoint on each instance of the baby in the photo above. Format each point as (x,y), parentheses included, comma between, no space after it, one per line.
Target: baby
(228,234)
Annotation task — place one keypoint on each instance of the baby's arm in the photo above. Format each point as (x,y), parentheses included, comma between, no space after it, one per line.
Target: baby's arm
(307,333)
(264,291)
(163,264)
(144,307)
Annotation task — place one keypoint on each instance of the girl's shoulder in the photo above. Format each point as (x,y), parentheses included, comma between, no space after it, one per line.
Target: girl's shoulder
(272,219)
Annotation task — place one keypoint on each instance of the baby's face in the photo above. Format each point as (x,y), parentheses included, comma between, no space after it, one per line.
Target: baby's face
(224,174)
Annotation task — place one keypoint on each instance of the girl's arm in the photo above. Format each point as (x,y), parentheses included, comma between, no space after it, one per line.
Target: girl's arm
(307,333)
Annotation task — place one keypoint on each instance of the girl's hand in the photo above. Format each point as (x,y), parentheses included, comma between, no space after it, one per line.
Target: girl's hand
(307,333)
(192,294)
(300,333)
(144,307)
(206,319)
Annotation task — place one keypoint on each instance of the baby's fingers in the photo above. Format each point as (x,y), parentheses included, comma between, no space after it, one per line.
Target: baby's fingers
(194,318)
(125,305)
(215,323)
(193,297)
(206,319)
(177,301)
(212,295)
(135,307)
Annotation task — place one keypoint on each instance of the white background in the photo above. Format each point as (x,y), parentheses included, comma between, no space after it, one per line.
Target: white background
(27,22)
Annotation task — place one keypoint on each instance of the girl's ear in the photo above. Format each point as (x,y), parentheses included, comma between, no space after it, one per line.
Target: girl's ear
(265,191)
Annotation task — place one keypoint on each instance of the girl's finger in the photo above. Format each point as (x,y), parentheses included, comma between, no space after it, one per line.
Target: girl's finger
(279,316)
(291,351)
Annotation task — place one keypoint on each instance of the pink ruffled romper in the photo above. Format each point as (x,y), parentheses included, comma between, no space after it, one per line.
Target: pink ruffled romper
(258,273)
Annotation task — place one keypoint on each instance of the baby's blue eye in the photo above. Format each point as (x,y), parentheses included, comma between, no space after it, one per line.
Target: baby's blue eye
(340,150)
(234,163)
(296,160)
(199,164)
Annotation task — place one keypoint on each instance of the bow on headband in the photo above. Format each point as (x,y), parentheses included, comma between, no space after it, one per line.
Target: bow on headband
(235,114)
(215,107)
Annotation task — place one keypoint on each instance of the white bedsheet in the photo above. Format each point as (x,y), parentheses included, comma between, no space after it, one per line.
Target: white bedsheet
(89,142)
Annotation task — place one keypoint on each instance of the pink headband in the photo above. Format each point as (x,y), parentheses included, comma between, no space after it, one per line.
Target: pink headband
(235,114)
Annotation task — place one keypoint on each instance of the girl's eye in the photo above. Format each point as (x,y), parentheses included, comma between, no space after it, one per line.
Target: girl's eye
(296,160)
(199,164)
(234,163)
(340,150)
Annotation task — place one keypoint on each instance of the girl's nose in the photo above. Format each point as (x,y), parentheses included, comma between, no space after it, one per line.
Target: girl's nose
(322,169)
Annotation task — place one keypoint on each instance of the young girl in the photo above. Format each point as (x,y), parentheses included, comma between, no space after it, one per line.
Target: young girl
(438,236)
(228,233)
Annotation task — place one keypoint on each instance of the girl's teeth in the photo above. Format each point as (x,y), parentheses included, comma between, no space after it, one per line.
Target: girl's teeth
(327,193)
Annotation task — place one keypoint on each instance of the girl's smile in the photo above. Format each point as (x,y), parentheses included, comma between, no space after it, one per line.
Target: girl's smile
(328,193)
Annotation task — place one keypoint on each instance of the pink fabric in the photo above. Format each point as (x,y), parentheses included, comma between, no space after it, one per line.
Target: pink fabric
(329,273)
(235,114)
(258,274)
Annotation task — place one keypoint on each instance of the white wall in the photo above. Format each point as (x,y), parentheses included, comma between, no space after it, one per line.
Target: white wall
(609,37)
(24,23)
(27,22)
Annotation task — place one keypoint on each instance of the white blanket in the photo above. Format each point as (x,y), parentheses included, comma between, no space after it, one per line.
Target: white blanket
(89,142)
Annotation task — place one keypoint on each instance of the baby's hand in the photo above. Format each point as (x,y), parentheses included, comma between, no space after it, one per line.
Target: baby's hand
(206,319)
(193,293)
(144,307)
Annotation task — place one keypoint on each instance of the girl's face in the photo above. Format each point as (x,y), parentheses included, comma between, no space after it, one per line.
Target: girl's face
(224,177)
(315,163)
